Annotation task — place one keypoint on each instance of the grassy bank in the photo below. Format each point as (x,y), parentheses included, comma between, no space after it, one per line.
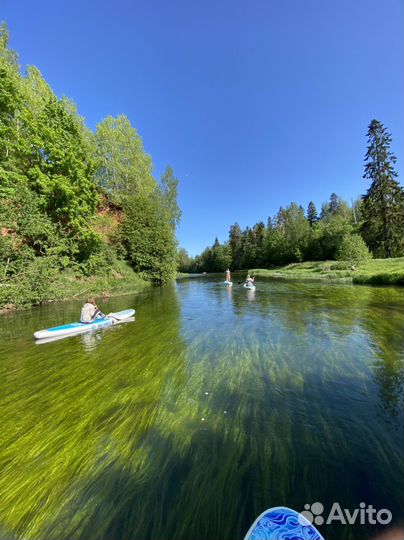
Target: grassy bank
(31,289)
(373,271)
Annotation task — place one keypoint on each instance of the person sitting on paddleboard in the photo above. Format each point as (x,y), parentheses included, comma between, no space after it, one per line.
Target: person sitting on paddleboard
(90,312)
(249,281)
(228,275)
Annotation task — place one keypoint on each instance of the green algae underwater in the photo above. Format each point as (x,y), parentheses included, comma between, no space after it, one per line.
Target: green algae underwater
(215,404)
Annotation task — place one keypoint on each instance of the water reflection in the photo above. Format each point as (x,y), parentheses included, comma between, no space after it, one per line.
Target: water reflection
(91,340)
(251,295)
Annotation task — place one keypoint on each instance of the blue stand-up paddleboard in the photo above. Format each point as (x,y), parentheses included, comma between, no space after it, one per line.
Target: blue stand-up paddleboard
(78,327)
(229,283)
(251,287)
(282,523)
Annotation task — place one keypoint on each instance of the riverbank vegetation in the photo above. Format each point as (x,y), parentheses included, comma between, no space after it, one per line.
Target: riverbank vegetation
(79,210)
(346,235)
(371,271)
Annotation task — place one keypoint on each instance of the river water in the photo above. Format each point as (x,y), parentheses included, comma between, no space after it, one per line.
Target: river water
(213,405)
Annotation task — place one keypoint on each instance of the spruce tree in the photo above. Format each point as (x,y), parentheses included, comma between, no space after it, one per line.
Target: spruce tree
(383,204)
(334,203)
(312,217)
(259,232)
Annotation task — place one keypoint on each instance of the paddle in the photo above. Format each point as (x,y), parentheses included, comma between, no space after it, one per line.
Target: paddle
(242,282)
(113,316)
(119,317)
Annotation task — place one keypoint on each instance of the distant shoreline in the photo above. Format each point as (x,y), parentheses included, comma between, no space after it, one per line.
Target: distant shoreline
(369,272)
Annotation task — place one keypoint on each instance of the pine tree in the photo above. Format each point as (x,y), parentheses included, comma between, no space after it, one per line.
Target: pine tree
(312,216)
(383,204)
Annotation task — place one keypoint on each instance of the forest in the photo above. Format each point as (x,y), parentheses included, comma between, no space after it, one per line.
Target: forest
(74,203)
(371,226)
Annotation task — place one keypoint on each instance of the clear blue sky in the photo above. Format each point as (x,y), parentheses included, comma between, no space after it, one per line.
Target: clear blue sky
(254,104)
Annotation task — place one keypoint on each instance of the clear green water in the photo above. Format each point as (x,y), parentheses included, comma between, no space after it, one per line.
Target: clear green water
(212,406)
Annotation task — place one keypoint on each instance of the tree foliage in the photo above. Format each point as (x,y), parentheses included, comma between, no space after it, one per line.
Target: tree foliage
(383,203)
(169,196)
(148,238)
(353,249)
(216,258)
(185,261)
(57,180)
(312,216)
(122,166)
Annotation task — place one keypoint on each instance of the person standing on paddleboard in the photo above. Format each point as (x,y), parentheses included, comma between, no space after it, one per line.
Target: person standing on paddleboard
(228,275)
(90,312)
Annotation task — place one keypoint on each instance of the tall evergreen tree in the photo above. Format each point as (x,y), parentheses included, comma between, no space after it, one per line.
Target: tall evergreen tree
(259,232)
(334,203)
(312,216)
(236,245)
(270,225)
(249,249)
(383,204)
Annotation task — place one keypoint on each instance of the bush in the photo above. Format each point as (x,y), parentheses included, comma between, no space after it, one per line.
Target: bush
(353,249)
(100,262)
(35,284)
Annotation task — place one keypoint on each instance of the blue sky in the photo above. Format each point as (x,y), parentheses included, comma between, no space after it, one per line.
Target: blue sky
(254,104)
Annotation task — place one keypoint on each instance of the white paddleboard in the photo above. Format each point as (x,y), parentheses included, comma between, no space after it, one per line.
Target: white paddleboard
(78,327)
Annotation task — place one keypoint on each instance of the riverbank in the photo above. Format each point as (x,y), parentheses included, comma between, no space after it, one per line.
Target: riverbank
(371,272)
(30,291)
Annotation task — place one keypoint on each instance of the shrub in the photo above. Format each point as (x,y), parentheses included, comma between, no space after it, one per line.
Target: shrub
(353,249)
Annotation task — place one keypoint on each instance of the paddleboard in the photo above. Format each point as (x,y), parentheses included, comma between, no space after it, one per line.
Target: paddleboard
(84,331)
(251,287)
(229,283)
(78,327)
(282,523)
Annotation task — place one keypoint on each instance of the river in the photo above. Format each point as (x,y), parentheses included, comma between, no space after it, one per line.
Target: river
(213,405)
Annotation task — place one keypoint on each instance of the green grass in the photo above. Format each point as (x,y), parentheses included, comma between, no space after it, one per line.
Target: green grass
(373,271)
